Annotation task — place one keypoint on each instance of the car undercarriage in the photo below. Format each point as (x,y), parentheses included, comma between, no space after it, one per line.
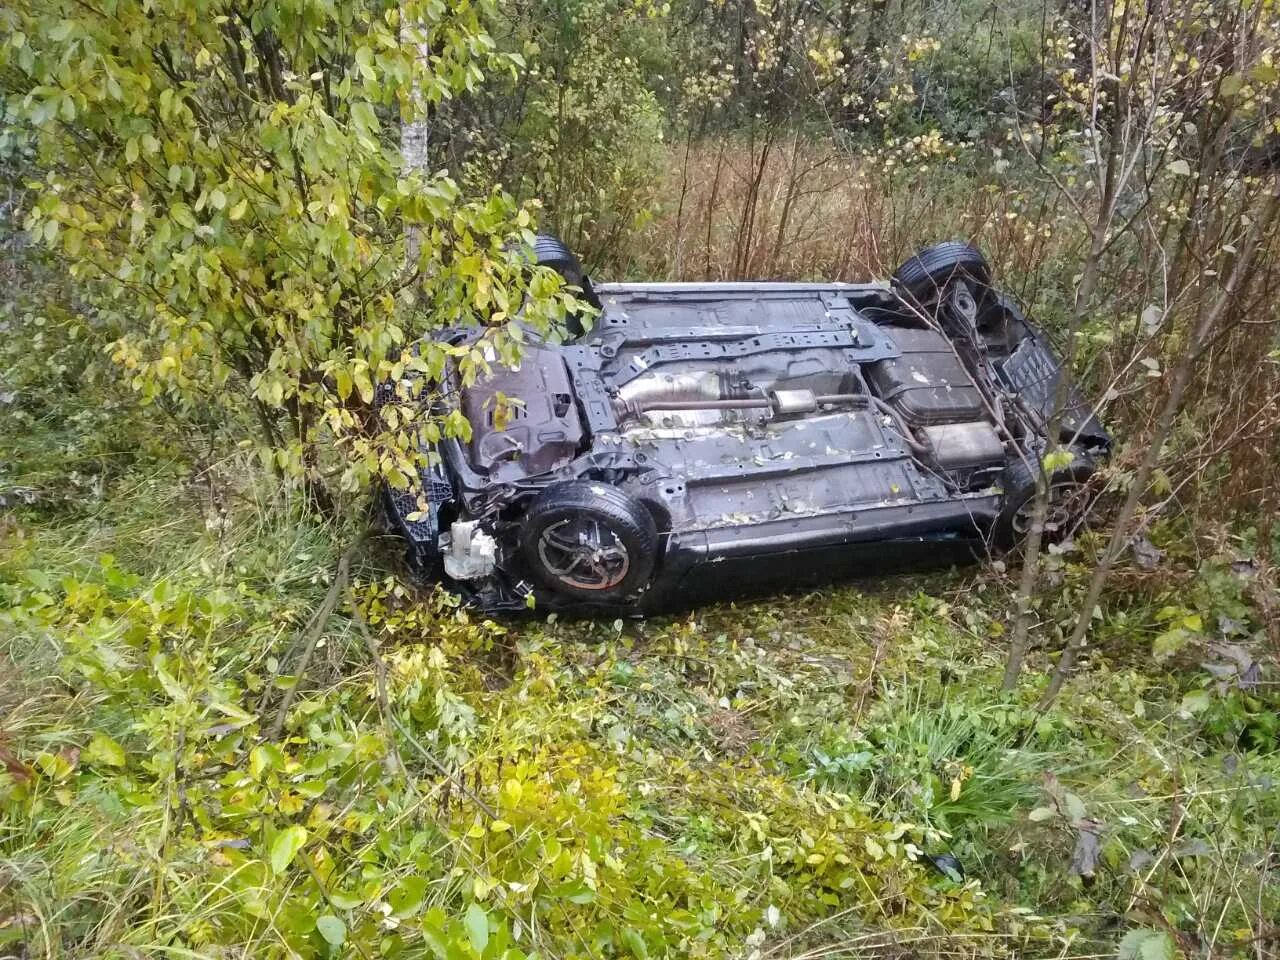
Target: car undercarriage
(710,440)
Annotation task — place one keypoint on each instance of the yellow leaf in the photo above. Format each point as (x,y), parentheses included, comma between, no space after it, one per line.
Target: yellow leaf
(364,385)
(342,380)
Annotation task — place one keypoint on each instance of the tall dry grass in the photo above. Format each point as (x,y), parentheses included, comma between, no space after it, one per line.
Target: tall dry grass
(784,206)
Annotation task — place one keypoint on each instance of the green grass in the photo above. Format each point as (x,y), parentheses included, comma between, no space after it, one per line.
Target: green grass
(762,779)
(762,774)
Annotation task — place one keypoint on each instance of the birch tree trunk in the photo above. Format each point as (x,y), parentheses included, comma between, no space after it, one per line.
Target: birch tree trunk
(415,132)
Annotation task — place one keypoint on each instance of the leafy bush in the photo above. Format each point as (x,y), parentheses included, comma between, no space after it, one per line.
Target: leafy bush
(453,823)
(581,129)
(232,181)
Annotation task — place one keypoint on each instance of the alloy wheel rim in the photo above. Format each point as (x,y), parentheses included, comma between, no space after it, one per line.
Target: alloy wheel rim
(583,553)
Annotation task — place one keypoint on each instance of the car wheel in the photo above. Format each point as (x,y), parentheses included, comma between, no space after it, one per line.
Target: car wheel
(589,540)
(1067,502)
(549,251)
(931,269)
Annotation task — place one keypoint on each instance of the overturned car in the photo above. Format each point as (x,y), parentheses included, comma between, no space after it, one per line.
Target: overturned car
(710,440)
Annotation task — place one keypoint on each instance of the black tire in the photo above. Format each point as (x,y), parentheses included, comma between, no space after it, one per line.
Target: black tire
(1066,487)
(549,251)
(589,540)
(925,274)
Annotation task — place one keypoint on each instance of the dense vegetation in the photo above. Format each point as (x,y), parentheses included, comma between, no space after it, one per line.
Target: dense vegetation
(230,726)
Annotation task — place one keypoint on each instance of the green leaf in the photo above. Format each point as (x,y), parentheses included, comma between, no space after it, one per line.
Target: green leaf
(364,384)
(477,924)
(406,899)
(1040,814)
(364,62)
(286,846)
(311,789)
(1197,701)
(1180,168)
(434,923)
(232,710)
(1131,943)
(332,929)
(1159,947)
(1232,85)
(1146,944)
(575,891)
(1058,460)
(264,757)
(635,943)
(1169,642)
(1264,73)
(39,579)
(103,751)
(171,685)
